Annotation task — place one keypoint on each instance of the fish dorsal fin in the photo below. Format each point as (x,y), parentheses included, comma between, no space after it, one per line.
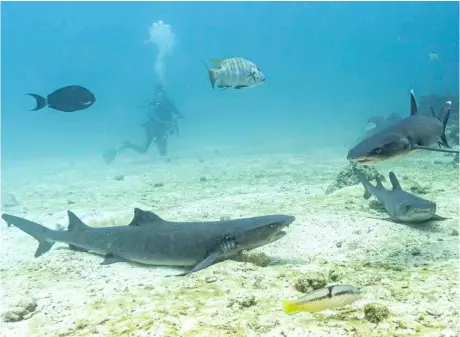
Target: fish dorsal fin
(75,223)
(218,63)
(413,104)
(379,182)
(144,218)
(394,181)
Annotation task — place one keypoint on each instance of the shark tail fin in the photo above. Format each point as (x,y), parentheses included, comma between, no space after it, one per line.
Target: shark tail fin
(444,118)
(40,233)
(76,224)
(379,182)
(362,178)
(367,195)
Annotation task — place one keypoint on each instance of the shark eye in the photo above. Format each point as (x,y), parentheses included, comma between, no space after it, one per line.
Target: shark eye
(378,150)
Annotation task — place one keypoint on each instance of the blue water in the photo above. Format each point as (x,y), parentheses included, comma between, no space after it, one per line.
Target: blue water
(328,67)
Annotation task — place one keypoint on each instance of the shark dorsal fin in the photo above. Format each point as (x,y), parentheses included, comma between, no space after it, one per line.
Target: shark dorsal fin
(144,218)
(413,104)
(75,223)
(379,182)
(217,63)
(394,181)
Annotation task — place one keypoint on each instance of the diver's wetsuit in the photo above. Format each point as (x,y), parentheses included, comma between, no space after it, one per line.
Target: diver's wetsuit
(161,124)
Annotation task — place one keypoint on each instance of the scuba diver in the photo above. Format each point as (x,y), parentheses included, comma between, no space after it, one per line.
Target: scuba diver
(161,123)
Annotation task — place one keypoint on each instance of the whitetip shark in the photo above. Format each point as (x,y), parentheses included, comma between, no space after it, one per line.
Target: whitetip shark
(150,240)
(415,132)
(402,206)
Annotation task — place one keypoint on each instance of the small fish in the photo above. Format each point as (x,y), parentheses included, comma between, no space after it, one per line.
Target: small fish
(70,98)
(235,72)
(432,56)
(326,298)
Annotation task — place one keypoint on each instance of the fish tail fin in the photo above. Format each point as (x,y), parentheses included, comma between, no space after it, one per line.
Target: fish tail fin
(211,73)
(289,306)
(43,235)
(40,102)
(444,118)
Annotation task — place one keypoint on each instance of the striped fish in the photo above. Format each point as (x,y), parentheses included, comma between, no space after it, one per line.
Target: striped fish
(326,298)
(235,72)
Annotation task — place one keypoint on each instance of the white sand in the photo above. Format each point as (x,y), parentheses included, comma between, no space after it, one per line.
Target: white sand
(410,268)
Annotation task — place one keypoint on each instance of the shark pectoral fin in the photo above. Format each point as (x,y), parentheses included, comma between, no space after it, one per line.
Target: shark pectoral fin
(209,260)
(78,249)
(427,148)
(109,259)
(438,218)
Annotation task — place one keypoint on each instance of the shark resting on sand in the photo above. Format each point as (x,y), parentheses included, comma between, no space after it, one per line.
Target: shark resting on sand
(400,205)
(150,240)
(413,133)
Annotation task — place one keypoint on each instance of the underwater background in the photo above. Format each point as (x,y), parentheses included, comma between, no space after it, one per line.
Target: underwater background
(333,71)
(328,67)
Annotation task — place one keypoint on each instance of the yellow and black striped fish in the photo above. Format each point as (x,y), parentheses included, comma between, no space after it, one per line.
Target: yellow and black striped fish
(235,72)
(326,298)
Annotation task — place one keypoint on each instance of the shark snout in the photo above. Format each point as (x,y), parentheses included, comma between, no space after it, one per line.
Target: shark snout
(282,220)
(420,211)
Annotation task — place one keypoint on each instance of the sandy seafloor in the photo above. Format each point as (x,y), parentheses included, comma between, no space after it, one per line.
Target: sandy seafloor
(411,269)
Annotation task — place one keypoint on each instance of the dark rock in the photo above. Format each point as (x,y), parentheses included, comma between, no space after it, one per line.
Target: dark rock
(348,177)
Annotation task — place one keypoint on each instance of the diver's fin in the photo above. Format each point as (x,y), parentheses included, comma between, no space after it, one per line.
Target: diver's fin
(211,74)
(427,148)
(209,260)
(40,102)
(394,181)
(109,156)
(413,104)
